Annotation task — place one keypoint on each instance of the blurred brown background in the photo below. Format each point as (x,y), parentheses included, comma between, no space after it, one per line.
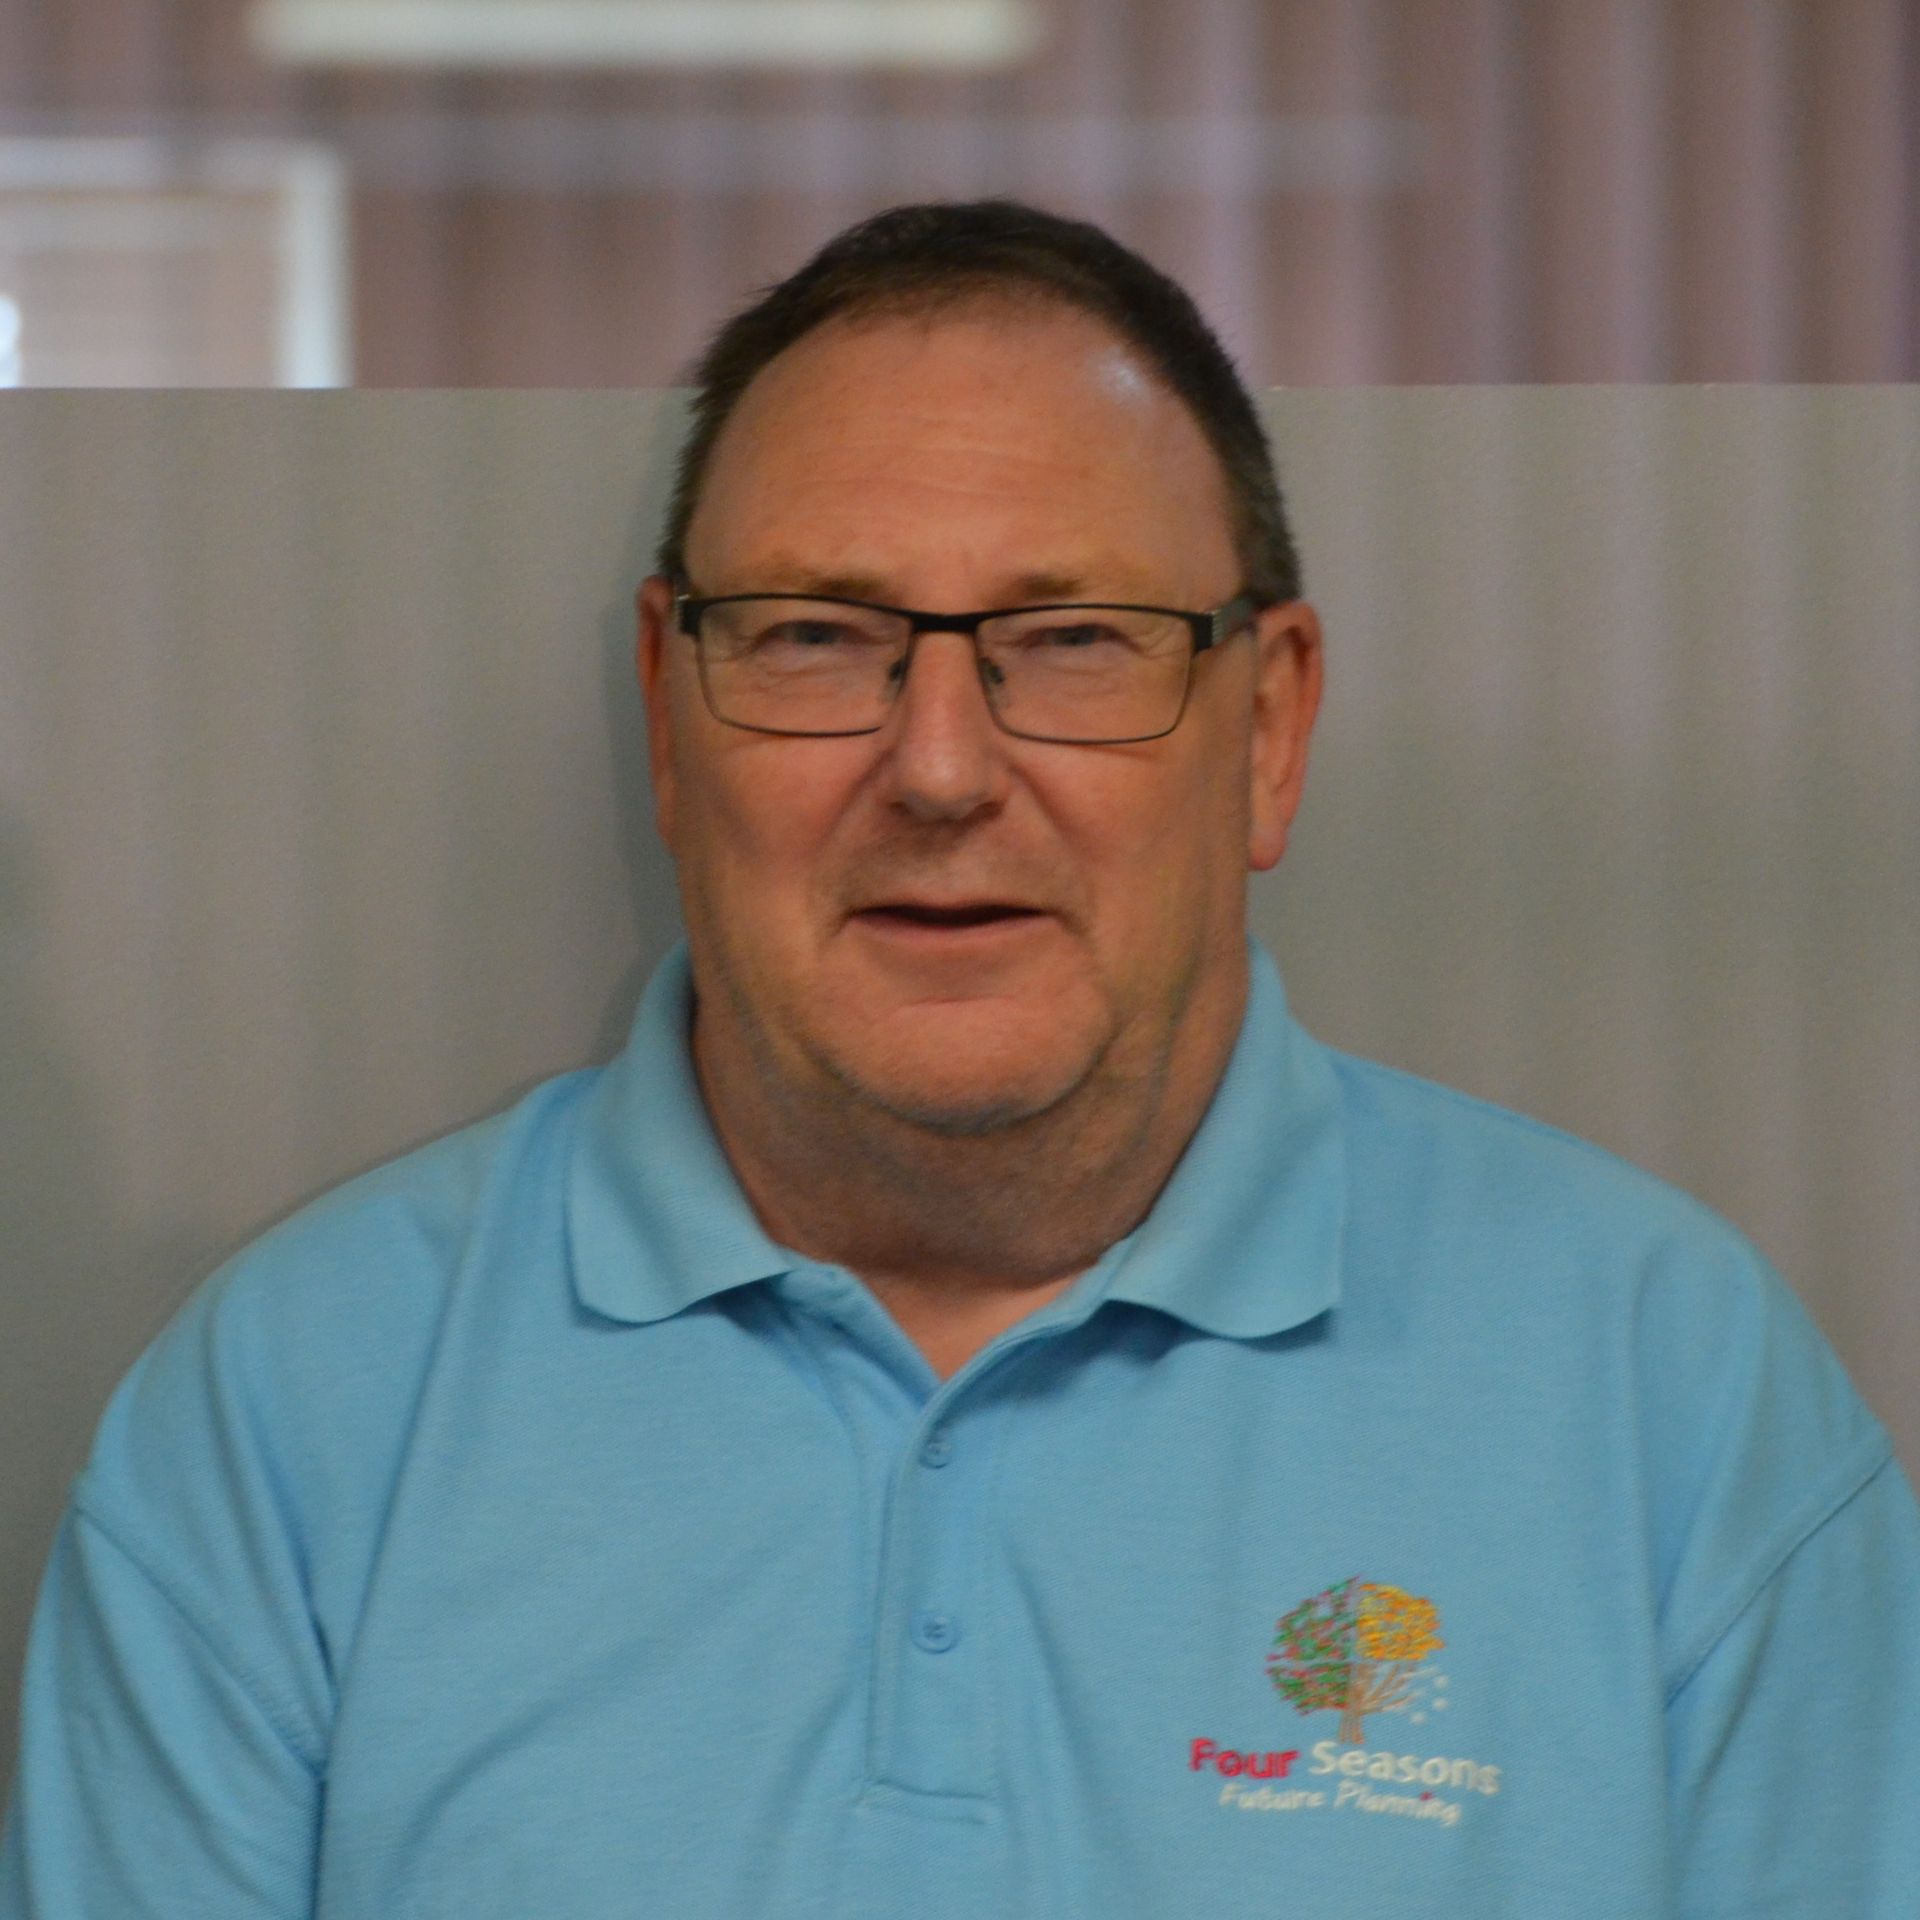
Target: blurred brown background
(1357,190)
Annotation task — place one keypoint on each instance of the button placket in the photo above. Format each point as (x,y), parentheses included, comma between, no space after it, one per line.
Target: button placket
(929,1687)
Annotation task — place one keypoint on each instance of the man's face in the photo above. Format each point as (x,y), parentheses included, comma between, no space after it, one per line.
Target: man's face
(979,458)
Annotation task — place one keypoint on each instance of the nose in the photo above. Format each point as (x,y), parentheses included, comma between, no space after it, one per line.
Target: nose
(944,749)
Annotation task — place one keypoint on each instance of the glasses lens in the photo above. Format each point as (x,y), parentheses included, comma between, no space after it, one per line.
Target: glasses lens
(1088,673)
(1064,673)
(799,666)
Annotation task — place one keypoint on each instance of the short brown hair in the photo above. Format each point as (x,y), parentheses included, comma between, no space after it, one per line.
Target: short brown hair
(915,258)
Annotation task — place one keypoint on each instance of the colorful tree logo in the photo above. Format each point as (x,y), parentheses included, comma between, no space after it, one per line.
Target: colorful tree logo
(1353,1647)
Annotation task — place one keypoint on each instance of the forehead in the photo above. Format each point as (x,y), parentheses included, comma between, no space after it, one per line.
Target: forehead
(1029,435)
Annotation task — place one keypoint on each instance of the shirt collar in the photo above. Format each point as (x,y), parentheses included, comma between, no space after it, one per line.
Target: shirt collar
(1243,1241)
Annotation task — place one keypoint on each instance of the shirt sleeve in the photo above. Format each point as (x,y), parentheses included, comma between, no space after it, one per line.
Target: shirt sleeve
(157,1779)
(1794,1743)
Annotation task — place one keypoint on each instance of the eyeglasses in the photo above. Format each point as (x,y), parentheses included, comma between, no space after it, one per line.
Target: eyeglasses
(1087,675)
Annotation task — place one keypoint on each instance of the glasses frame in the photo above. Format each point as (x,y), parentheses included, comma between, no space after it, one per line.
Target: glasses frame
(1210,629)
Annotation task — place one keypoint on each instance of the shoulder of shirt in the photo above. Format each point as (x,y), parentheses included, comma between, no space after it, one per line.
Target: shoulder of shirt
(1500,1153)
(312,1338)
(1574,1224)
(403,1223)
(1749,1429)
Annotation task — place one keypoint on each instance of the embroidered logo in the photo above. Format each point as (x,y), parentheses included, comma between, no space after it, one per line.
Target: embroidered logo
(1354,1648)
(1358,1649)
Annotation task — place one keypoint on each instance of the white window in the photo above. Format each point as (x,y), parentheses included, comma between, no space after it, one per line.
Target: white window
(142,262)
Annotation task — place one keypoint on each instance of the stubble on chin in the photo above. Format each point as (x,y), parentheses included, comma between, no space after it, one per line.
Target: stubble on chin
(837,1085)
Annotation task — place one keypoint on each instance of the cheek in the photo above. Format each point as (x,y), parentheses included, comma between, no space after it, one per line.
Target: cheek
(1154,849)
(1186,863)
(765,817)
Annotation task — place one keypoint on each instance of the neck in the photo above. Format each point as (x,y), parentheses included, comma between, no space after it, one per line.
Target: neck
(959,1238)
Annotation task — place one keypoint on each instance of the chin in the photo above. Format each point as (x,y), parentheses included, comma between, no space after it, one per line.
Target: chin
(958,1115)
(934,1082)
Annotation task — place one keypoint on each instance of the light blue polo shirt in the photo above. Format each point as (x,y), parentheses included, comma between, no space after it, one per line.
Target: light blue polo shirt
(1420,1514)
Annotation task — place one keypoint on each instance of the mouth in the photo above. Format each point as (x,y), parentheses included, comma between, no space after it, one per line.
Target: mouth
(983,914)
(970,925)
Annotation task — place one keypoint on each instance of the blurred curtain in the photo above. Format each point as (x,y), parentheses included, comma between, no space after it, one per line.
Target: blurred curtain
(1358,190)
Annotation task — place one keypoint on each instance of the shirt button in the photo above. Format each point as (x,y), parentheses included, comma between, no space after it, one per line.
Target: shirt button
(934,1632)
(937,1452)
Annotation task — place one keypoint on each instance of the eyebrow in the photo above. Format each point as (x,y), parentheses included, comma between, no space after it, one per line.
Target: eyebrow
(1051,586)
(792,577)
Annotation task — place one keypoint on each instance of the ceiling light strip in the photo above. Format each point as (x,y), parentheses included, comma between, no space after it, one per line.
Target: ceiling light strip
(646,33)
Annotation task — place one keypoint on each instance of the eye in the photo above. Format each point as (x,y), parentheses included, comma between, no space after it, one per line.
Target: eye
(808,636)
(1074,636)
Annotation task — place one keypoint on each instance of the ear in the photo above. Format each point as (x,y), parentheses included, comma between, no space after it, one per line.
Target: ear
(1288,677)
(653,657)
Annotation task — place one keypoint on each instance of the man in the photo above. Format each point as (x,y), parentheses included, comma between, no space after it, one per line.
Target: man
(974,1412)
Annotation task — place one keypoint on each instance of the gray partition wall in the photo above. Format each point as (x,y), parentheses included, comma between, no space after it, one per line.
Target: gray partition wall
(324,819)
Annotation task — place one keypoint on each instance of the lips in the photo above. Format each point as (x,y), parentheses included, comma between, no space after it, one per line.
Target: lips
(976,915)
